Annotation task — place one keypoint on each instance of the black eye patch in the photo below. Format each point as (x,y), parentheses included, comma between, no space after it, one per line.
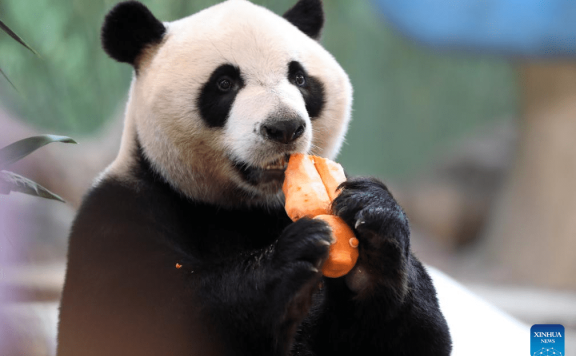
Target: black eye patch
(218,95)
(312,91)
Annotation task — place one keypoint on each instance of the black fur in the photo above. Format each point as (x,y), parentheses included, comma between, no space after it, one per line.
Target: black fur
(312,91)
(248,281)
(308,16)
(128,28)
(214,104)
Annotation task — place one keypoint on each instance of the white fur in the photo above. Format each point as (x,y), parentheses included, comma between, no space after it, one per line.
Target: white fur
(162,110)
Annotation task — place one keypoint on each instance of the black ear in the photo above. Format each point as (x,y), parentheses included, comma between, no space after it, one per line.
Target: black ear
(128,28)
(308,16)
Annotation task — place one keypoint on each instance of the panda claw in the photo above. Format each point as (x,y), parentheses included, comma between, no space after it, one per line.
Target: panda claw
(358,223)
(324,243)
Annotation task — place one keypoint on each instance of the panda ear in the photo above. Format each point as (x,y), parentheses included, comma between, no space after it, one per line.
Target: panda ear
(308,16)
(129,28)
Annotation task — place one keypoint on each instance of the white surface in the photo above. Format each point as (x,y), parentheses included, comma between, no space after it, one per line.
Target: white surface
(537,306)
(478,328)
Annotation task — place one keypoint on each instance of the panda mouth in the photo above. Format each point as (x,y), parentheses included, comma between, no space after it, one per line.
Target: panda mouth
(272,171)
(281,163)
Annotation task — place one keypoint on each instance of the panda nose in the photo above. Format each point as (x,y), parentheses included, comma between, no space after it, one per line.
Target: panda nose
(285,131)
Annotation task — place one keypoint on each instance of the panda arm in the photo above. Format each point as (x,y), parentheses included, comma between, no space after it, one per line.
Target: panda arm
(378,322)
(257,298)
(387,303)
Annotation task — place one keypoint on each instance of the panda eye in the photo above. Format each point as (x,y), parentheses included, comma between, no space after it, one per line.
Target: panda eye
(224,84)
(300,80)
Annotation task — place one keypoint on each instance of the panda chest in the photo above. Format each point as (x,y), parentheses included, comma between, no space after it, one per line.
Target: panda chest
(225,233)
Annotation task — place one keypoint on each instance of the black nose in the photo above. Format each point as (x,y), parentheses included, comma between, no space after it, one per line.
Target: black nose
(283,131)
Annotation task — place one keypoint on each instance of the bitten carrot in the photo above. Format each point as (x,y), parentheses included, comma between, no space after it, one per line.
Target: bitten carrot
(309,186)
(332,175)
(304,190)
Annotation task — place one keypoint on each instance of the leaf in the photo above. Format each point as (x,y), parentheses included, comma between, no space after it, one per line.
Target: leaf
(12,182)
(6,77)
(22,148)
(16,37)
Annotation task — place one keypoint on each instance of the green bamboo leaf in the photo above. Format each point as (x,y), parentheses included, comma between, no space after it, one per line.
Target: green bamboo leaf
(12,182)
(6,77)
(22,148)
(16,37)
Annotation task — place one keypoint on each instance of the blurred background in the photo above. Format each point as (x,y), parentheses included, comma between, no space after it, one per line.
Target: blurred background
(471,123)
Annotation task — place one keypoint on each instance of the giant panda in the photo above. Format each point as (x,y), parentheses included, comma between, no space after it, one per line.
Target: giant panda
(182,246)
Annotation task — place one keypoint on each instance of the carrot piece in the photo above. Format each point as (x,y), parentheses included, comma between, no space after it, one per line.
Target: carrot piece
(343,255)
(332,175)
(303,188)
(309,186)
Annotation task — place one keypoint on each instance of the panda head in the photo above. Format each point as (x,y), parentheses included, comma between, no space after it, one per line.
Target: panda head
(220,99)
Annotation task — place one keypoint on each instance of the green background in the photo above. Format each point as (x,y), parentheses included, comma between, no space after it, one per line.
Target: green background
(410,102)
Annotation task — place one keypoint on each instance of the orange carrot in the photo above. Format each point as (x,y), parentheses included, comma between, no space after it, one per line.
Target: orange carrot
(305,193)
(309,186)
(332,175)
(343,251)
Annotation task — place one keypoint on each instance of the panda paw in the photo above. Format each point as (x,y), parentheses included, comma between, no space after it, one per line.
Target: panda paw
(297,260)
(382,228)
(302,248)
